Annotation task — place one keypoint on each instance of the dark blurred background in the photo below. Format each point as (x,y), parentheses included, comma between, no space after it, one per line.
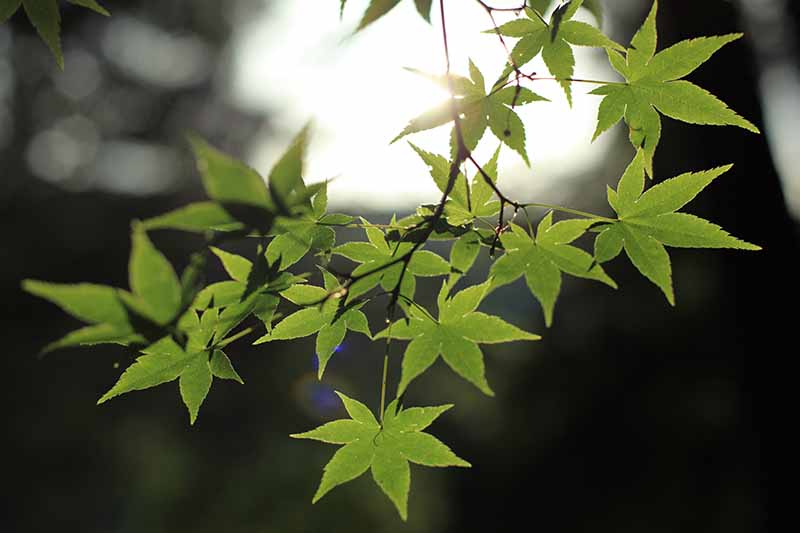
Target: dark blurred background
(628,416)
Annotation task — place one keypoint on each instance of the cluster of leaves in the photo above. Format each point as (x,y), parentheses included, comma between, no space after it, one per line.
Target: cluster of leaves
(179,326)
(46,18)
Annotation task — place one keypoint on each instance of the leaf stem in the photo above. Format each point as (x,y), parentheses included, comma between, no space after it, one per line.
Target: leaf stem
(570,211)
(385,371)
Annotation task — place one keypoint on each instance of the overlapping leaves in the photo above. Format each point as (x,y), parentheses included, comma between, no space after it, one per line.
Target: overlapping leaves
(653,85)
(554,40)
(324,314)
(455,335)
(240,198)
(385,448)
(542,257)
(388,263)
(478,110)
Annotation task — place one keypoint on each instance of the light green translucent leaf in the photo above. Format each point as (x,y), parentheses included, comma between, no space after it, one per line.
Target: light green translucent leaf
(348,463)
(358,411)
(338,432)
(650,258)
(417,418)
(302,323)
(197,217)
(95,334)
(153,279)
(643,44)
(466,360)
(508,127)
(582,34)
(305,294)
(685,57)
(631,184)
(286,176)
(425,263)
(672,194)
(683,230)
(85,301)
(195,382)
(420,354)
(221,367)
(385,450)
(149,371)
(489,329)
(439,167)
(329,338)
(237,267)
(392,474)
(463,254)
(424,449)
(228,180)
(608,244)
(685,101)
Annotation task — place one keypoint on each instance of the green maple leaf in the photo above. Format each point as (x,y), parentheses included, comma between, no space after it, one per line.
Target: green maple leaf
(455,335)
(327,317)
(653,85)
(466,202)
(295,237)
(554,41)
(648,221)
(385,448)
(251,290)
(381,264)
(194,367)
(478,110)
(541,258)
(240,197)
(116,315)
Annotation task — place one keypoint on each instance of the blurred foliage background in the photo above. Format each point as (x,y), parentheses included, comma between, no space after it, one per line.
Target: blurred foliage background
(628,416)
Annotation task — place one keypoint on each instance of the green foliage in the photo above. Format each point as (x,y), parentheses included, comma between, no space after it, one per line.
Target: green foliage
(455,335)
(45,17)
(653,85)
(648,221)
(178,325)
(554,40)
(542,257)
(384,448)
(478,110)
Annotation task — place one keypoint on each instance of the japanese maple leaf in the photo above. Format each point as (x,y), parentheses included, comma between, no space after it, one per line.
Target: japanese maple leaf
(385,448)
(653,85)
(194,366)
(455,335)
(252,289)
(648,221)
(381,263)
(466,202)
(478,110)
(542,257)
(329,318)
(553,40)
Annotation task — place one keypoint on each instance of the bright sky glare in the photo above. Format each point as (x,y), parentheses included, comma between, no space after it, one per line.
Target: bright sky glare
(301,65)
